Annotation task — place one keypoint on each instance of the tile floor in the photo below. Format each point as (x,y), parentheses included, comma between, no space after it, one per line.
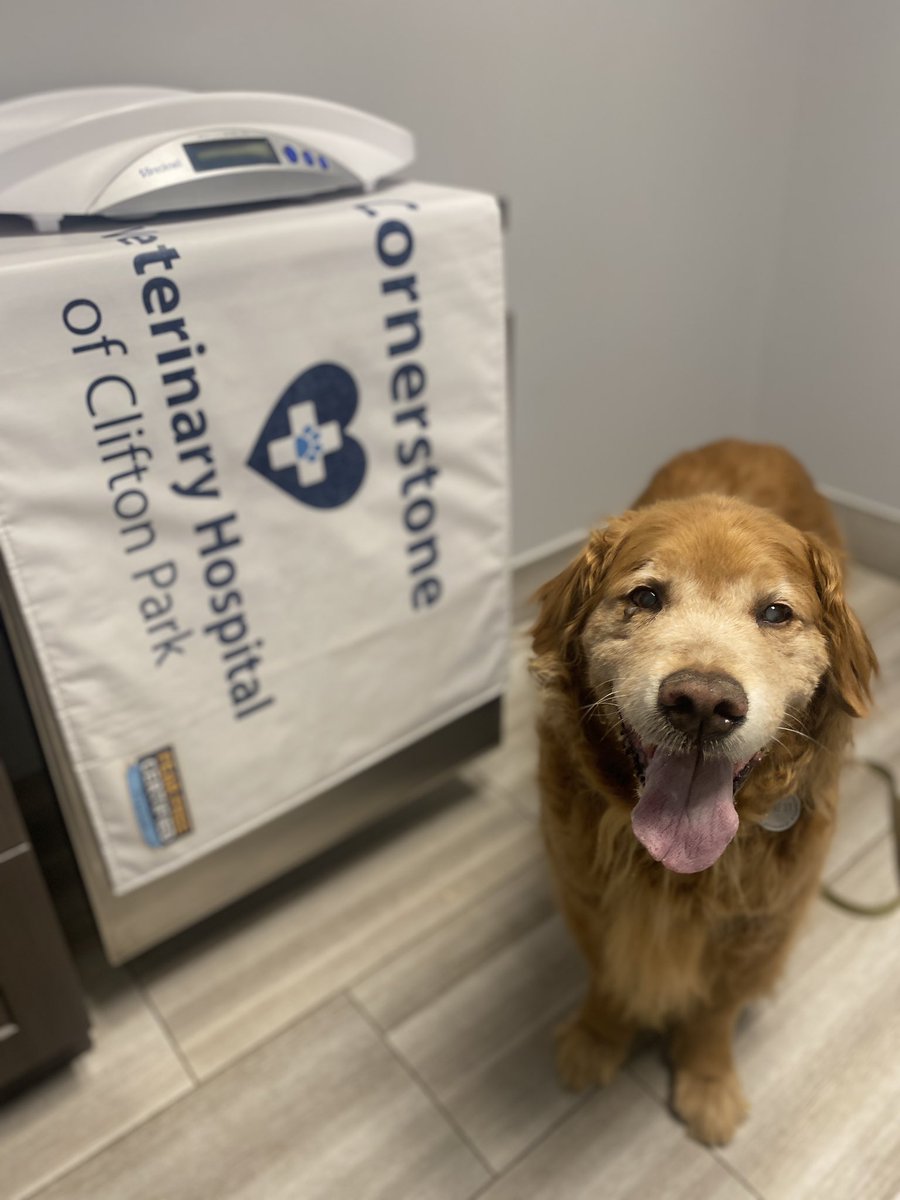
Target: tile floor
(378,1025)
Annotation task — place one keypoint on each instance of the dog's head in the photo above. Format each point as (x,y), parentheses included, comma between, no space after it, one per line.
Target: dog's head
(702,634)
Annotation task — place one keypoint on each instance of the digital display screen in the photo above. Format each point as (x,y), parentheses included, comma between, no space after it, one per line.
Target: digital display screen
(230,152)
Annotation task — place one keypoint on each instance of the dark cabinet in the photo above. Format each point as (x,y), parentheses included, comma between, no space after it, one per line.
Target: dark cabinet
(42,1015)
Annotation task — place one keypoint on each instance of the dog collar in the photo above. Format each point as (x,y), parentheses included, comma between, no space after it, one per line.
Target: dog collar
(783,815)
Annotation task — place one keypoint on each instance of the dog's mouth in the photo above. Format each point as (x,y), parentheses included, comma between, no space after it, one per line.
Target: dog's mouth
(685,815)
(642,753)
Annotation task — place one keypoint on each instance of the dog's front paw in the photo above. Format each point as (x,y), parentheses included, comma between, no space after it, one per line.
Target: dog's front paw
(583,1059)
(711,1107)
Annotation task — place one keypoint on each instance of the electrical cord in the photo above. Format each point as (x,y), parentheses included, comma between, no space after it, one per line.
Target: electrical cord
(887,906)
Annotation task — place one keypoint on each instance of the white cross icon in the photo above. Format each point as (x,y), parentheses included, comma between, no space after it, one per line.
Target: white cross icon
(307,444)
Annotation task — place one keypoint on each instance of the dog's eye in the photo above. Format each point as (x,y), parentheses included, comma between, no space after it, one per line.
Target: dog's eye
(646,598)
(776,614)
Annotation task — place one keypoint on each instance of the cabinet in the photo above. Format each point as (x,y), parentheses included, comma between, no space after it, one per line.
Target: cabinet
(43,1020)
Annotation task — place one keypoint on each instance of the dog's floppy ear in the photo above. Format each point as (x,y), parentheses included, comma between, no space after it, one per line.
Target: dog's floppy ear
(852,660)
(565,600)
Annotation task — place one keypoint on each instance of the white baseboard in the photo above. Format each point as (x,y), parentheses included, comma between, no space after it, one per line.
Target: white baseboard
(872,529)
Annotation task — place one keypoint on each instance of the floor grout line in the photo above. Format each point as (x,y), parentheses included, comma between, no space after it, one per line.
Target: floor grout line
(199,1086)
(164,1028)
(481,776)
(714,1153)
(339,989)
(505,792)
(723,1162)
(538,1141)
(421,938)
(847,866)
(555,1014)
(412,1074)
(221,1068)
(645,1087)
(71,1168)
(183,1062)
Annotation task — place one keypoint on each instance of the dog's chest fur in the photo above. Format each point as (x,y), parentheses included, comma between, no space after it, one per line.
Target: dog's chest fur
(647,948)
(662,945)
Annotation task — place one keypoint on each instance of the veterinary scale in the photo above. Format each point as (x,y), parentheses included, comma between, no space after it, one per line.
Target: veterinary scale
(134,152)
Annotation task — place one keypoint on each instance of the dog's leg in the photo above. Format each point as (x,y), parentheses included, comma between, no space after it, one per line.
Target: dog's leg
(592,1044)
(706,1091)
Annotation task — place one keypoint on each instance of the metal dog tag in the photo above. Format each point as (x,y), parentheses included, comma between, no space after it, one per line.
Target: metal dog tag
(784,814)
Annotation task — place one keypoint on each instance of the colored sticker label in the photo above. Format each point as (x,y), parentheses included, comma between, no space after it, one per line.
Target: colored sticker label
(158,797)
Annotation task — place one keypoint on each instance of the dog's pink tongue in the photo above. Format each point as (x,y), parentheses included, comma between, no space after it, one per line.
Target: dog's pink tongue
(686,815)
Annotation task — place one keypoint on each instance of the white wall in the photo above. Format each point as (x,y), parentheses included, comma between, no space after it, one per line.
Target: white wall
(831,386)
(642,144)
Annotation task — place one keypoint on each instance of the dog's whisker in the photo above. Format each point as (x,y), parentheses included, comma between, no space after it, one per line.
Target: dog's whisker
(807,737)
(587,710)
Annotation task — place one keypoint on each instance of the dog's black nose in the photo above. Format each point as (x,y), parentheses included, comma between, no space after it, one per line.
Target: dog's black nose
(703,704)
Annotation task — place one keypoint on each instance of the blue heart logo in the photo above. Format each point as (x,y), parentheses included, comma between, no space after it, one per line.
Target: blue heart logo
(304,447)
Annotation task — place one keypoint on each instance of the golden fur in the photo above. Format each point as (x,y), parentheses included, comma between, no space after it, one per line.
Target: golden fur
(723,530)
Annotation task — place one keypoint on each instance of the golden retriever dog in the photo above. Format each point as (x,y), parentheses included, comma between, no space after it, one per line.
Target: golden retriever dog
(699,668)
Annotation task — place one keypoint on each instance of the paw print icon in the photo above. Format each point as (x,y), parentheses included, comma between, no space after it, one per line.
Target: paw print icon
(309,443)
(306,446)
